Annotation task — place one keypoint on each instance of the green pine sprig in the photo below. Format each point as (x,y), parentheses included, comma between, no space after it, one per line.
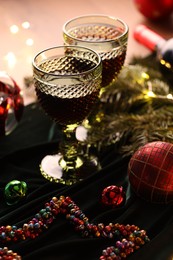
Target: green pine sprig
(128,116)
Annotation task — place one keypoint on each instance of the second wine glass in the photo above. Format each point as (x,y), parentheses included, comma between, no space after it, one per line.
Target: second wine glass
(108,36)
(67,81)
(104,34)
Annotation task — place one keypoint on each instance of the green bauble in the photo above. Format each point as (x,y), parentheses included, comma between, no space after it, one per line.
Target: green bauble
(15,191)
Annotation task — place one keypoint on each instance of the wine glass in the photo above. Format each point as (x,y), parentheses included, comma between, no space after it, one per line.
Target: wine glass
(67,81)
(106,35)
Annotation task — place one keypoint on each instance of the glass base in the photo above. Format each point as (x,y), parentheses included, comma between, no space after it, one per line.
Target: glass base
(52,171)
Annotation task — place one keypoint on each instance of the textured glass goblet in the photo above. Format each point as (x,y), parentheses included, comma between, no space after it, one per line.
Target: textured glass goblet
(106,35)
(67,81)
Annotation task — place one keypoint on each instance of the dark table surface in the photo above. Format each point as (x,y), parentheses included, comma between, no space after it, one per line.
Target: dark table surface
(20,155)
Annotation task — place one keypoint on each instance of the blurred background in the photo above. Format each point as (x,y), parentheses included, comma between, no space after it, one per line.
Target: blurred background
(29,26)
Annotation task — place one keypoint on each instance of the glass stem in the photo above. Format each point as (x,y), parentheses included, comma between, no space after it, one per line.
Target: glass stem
(70,159)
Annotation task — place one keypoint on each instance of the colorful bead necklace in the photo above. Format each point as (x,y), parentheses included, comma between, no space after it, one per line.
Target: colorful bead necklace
(128,237)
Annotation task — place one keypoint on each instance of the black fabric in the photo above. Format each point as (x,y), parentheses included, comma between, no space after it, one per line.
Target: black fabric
(20,155)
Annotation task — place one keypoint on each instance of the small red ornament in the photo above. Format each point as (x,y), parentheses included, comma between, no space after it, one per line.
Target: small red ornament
(154,9)
(150,172)
(113,196)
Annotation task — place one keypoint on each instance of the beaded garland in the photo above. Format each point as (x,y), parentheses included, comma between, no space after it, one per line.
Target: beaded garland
(6,254)
(128,237)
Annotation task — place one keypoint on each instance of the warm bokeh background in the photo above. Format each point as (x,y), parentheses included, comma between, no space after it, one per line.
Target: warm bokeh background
(46,18)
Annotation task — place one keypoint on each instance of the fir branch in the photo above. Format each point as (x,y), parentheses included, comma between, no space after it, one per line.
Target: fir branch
(128,116)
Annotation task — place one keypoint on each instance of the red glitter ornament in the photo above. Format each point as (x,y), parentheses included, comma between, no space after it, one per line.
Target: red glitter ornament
(113,196)
(154,9)
(150,172)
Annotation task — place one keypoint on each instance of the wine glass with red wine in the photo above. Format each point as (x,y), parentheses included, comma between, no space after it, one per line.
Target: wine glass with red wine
(67,81)
(106,35)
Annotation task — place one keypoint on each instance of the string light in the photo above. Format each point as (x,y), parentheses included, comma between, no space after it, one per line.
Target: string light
(26,25)
(143,78)
(150,94)
(169,96)
(11,59)
(29,42)
(145,75)
(14,29)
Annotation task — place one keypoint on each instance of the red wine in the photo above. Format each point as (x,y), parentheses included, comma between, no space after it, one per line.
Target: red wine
(67,103)
(67,110)
(111,68)
(11,107)
(113,59)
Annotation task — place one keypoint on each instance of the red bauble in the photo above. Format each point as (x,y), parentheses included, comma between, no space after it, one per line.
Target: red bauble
(154,9)
(150,172)
(113,196)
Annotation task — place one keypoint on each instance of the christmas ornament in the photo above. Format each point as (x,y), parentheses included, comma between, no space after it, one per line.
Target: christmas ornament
(150,172)
(11,104)
(15,191)
(154,9)
(113,196)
